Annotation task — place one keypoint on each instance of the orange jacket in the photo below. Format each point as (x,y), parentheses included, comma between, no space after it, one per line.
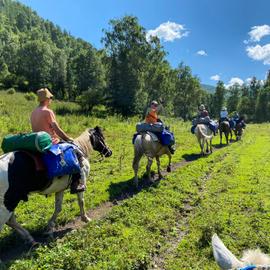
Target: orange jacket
(151,117)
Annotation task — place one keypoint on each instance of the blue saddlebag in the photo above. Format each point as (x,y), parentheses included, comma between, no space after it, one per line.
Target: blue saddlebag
(167,137)
(60,160)
(213,126)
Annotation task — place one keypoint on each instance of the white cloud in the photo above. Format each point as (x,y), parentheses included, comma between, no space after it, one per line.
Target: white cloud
(168,31)
(258,32)
(248,80)
(202,53)
(259,53)
(215,77)
(233,81)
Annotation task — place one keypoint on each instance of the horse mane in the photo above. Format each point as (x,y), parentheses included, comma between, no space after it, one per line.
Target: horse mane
(83,141)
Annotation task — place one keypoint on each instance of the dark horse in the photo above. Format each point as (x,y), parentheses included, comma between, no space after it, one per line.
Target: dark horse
(238,130)
(225,128)
(19,177)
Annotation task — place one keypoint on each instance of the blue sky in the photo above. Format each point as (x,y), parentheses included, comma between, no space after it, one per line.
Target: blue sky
(218,39)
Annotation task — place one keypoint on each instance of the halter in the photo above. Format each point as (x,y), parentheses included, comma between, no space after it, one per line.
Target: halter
(104,147)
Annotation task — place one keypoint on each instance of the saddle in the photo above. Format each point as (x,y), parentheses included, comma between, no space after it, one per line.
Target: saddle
(37,158)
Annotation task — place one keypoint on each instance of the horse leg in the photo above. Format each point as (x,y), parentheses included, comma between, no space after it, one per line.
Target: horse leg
(84,217)
(135,166)
(169,169)
(12,222)
(201,145)
(148,168)
(211,147)
(207,146)
(57,209)
(158,165)
(220,135)
(227,137)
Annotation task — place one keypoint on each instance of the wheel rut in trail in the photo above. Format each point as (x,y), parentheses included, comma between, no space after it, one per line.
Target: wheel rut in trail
(158,260)
(21,249)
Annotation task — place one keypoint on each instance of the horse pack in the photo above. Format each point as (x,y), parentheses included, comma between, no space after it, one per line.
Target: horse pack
(155,128)
(166,137)
(61,159)
(33,141)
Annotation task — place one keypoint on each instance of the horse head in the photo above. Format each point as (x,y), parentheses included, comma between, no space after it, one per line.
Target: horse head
(97,140)
(226,260)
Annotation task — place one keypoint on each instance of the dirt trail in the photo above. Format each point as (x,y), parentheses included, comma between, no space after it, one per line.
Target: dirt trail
(21,249)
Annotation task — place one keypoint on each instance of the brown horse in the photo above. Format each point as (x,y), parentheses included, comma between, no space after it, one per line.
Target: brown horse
(238,131)
(225,128)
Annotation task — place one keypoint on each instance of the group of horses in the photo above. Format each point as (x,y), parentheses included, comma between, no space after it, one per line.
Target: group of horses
(19,176)
(205,135)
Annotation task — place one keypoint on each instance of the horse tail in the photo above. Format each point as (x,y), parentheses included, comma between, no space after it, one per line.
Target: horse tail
(203,134)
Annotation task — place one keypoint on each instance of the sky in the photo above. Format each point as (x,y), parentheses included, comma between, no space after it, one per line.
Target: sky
(226,40)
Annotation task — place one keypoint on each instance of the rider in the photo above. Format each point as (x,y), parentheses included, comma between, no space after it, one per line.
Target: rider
(43,119)
(202,112)
(151,114)
(223,115)
(152,118)
(203,117)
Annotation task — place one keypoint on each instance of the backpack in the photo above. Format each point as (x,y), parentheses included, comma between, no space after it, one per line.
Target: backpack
(61,159)
(33,141)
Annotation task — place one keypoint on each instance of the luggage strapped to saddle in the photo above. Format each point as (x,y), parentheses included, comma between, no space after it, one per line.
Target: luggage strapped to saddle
(155,128)
(32,141)
(61,159)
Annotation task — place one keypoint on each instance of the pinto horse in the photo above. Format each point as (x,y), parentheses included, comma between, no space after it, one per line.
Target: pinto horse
(225,128)
(19,177)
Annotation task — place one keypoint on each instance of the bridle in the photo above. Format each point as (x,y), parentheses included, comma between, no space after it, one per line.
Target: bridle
(105,150)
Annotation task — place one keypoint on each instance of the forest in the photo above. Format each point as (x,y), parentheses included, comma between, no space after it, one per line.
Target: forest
(122,78)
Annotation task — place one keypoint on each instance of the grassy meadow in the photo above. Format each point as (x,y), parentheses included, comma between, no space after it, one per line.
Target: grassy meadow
(167,225)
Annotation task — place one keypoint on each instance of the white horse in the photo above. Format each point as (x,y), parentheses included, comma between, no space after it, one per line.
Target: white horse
(19,177)
(226,260)
(204,135)
(144,144)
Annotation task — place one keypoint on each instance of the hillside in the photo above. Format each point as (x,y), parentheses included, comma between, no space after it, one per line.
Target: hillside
(209,88)
(125,75)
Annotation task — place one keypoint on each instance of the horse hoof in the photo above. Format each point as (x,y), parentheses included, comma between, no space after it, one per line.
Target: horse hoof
(85,219)
(169,169)
(160,177)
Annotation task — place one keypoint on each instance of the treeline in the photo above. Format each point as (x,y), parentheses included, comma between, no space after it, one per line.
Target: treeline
(250,100)
(124,76)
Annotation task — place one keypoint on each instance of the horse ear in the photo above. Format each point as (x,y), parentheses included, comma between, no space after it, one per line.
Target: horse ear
(224,258)
(98,130)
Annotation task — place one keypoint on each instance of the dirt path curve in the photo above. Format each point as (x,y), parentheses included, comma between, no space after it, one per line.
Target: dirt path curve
(21,249)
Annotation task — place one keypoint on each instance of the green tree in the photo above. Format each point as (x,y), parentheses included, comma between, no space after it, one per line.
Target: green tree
(188,93)
(219,98)
(127,48)
(35,63)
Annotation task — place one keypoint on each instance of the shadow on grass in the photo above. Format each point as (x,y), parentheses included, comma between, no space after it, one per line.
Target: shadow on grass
(13,247)
(126,189)
(191,157)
